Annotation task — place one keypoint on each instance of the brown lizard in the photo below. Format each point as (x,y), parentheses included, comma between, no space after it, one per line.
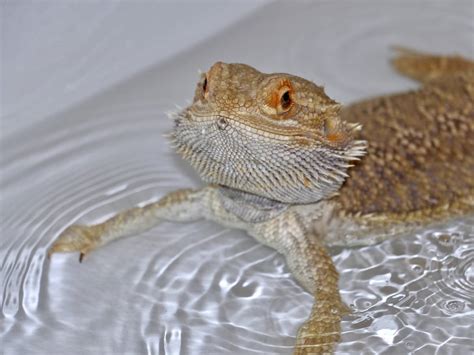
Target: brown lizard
(276,153)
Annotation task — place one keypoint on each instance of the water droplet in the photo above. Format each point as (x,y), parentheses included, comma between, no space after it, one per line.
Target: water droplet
(116,189)
(445,240)
(469,273)
(454,306)
(386,328)
(418,269)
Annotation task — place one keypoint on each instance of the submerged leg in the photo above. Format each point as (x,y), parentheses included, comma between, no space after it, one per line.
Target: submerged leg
(313,267)
(322,331)
(425,67)
(181,206)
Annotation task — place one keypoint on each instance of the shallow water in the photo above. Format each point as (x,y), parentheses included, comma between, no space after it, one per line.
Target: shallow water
(199,288)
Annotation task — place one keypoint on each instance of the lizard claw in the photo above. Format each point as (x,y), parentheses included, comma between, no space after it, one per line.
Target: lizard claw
(79,238)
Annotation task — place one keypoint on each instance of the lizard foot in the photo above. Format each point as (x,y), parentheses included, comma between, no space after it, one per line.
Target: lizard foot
(79,238)
(322,331)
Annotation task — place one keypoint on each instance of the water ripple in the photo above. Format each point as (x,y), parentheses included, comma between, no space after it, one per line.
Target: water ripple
(196,288)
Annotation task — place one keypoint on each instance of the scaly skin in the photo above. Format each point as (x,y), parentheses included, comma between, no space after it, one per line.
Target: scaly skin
(276,152)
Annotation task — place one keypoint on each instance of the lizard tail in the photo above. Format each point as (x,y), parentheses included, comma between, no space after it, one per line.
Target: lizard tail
(425,67)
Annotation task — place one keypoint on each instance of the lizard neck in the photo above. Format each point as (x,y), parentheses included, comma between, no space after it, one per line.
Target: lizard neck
(248,207)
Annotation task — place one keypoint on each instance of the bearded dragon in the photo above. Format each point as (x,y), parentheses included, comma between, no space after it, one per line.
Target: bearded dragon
(299,172)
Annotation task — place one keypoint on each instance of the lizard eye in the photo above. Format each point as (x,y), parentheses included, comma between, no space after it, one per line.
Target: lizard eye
(279,101)
(202,88)
(204,85)
(285,100)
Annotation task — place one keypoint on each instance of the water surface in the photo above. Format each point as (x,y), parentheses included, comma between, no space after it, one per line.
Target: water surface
(198,288)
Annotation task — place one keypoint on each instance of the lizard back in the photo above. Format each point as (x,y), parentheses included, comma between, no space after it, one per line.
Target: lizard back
(420,155)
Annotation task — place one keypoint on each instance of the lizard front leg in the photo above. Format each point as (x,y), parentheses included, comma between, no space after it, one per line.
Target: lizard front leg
(313,267)
(184,205)
(322,331)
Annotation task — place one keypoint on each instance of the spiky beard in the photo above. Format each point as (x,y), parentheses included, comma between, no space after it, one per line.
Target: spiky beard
(245,160)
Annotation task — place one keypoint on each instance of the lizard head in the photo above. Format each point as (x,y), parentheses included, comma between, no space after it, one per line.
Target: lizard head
(274,135)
